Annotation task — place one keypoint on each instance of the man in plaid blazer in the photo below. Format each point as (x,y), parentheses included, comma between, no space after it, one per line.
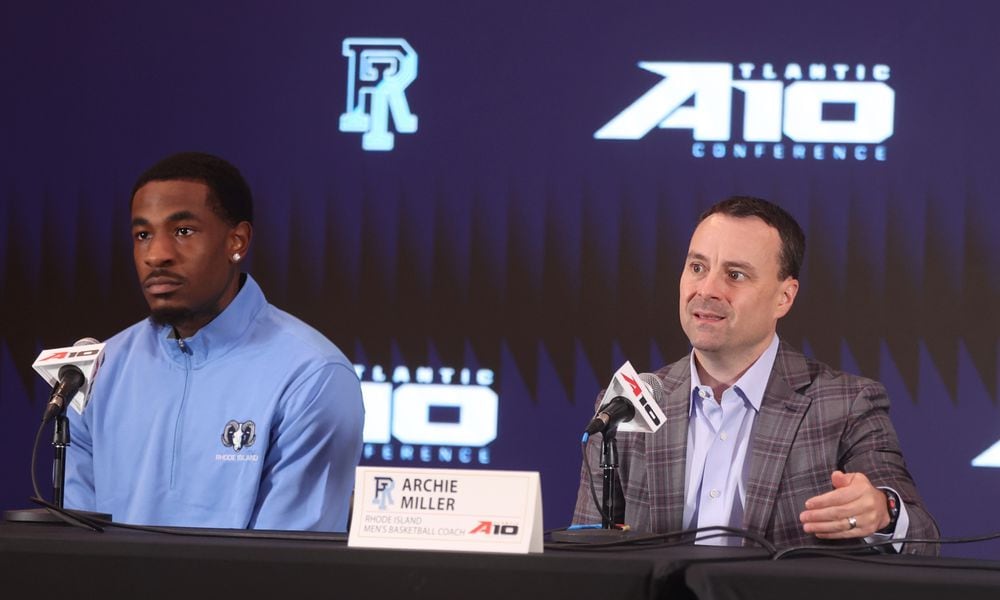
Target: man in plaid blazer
(757,436)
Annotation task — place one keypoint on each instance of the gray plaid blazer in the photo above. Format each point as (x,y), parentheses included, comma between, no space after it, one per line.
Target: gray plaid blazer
(812,421)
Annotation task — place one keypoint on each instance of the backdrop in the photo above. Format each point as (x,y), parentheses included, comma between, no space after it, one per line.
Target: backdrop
(487,205)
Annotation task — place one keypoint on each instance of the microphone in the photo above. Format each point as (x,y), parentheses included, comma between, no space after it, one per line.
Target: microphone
(71,379)
(628,395)
(70,371)
(619,410)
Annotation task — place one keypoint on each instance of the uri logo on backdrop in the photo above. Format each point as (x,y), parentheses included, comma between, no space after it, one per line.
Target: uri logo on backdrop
(378,72)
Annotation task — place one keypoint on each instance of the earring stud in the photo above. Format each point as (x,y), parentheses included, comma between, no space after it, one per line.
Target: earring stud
(237,257)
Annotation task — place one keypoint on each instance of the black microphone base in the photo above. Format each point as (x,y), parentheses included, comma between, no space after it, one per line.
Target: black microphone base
(44,515)
(595,536)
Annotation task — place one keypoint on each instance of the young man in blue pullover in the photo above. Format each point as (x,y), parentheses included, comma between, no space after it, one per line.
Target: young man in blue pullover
(219,410)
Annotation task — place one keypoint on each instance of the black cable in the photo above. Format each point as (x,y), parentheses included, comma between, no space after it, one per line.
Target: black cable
(34,457)
(63,514)
(75,518)
(847,550)
(888,559)
(684,536)
(296,536)
(637,542)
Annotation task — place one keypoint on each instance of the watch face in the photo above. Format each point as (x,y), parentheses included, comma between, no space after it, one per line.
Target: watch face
(892,505)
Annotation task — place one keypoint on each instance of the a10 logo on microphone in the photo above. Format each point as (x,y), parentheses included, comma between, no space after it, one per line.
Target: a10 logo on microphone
(85,356)
(627,384)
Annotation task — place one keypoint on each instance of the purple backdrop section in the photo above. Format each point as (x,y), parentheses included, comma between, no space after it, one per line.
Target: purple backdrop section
(502,234)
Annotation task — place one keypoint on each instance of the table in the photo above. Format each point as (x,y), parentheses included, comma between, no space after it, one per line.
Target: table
(821,578)
(58,560)
(54,561)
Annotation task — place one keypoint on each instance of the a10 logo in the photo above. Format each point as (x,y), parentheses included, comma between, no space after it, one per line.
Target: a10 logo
(772,109)
(404,413)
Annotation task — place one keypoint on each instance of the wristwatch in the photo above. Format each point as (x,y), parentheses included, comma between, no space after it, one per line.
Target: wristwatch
(892,504)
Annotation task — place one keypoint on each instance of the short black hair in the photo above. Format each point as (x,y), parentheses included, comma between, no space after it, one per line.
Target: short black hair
(229,195)
(793,240)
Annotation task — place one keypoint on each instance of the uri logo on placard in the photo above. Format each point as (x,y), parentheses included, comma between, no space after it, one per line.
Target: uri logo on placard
(378,72)
(383,491)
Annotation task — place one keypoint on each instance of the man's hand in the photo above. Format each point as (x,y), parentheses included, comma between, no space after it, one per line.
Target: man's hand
(854,509)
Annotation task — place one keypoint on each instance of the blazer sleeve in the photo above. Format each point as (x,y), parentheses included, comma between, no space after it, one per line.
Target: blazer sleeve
(869,445)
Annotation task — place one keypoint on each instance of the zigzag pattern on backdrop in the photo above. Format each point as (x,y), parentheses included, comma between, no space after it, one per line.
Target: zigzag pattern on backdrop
(545,271)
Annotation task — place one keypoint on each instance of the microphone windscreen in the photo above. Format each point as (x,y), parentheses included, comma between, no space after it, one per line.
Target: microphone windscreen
(655,385)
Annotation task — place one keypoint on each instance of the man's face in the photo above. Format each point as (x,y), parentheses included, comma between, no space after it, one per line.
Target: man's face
(730,294)
(183,253)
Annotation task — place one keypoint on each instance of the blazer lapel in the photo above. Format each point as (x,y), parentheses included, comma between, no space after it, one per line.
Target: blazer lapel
(774,429)
(667,450)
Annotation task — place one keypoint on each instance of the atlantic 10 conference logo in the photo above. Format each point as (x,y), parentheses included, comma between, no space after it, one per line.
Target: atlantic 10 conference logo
(431,415)
(791,111)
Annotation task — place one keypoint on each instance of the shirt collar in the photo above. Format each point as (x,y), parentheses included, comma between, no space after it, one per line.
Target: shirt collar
(222,333)
(752,383)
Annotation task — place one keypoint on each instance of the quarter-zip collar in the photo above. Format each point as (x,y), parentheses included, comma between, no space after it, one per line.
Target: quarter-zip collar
(220,335)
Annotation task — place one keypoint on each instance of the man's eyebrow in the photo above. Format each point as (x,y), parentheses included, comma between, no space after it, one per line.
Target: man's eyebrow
(742,266)
(181,215)
(729,264)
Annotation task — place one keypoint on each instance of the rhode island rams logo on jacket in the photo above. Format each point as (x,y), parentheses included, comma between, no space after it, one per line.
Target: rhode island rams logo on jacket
(238,435)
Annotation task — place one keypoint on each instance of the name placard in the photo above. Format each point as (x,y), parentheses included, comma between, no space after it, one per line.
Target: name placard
(447,509)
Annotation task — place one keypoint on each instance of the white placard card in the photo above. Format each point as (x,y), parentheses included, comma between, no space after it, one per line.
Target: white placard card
(447,509)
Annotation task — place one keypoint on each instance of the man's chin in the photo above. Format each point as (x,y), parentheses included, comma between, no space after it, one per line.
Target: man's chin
(709,349)
(170,315)
(708,344)
(703,337)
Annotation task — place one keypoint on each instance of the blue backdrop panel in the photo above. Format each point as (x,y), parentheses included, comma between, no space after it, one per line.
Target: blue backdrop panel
(498,235)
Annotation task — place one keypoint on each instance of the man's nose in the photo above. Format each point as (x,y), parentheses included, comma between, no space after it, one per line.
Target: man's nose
(159,251)
(711,285)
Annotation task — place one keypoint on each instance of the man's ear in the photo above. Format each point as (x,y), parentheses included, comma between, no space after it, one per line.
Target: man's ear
(239,239)
(787,292)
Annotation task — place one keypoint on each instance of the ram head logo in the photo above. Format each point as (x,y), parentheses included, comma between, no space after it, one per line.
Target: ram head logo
(238,435)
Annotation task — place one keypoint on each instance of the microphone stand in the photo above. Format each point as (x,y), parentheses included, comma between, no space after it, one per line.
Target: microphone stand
(55,513)
(609,477)
(609,470)
(60,440)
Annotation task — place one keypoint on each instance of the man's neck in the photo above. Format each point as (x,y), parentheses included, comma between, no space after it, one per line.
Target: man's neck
(187,328)
(721,372)
(189,324)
